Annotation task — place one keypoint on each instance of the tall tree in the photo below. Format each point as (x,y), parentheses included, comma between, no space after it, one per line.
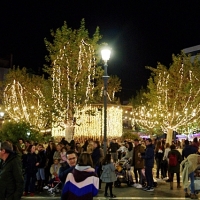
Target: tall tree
(26,98)
(73,57)
(173,100)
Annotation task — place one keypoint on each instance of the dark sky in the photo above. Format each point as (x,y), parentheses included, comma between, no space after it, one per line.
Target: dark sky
(140,32)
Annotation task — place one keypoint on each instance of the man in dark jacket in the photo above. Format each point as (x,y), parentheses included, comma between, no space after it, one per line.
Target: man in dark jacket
(11,178)
(148,156)
(67,167)
(114,146)
(187,150)
(41,167)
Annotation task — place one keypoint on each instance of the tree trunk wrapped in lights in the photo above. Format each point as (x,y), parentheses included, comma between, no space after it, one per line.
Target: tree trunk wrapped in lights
(73,56)
(174,95)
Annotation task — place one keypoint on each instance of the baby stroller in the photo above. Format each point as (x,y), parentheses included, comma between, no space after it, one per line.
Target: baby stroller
(56,189)
(123,173)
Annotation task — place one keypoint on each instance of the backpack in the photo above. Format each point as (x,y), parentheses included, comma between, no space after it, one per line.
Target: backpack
(173,160)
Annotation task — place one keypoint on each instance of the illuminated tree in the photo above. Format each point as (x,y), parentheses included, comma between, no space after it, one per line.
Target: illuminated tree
(73,57)
(173,100)
(114,86)
(24,98)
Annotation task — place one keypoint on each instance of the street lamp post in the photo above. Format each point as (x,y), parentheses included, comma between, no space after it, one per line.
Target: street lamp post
(105,56)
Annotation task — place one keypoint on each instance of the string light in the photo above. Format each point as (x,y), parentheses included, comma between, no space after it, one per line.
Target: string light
(23,105)
(176,102)
(89,123)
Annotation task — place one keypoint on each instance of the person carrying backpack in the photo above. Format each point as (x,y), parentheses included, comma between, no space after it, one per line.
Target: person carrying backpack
(175,159)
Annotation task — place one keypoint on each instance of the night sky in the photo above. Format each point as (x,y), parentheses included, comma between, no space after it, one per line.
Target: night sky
(140,33)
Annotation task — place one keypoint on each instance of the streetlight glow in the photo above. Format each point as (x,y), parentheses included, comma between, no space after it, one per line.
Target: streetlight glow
(105,53)
(1,114)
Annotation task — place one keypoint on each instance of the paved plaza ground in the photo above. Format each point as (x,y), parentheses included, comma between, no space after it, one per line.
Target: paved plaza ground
(162,191)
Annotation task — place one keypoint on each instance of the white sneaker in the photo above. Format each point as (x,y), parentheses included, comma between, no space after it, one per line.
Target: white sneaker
(50,190)
(139,186)
(135,184)
(46,187)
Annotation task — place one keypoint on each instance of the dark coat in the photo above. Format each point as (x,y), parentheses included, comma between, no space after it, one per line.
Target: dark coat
(11,178)
(137,161)
(49,153)
(64,171)
(148,156)
(29,163)
(42,159)
(113,147)
(187,150)
(159,153)
(175,169)
(96,154)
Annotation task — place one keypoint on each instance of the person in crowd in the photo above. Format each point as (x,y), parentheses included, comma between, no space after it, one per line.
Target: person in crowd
(188,149)
(54,170)
(72,145)
(63,155)
(188,166)
(11,177)
(138,163)
(159,153)
(129,151)
(175,159)
(57,152)
(63,141)
(78,149)
(85,145)
(40,175)
(67,167)
(49,153)
(90,147)
(121,151)
(68,146)
(165,161)
(113,149)
(108,175)
(21,145)
(97,156)
(148,157)
(195,144)
(31,162)
(83,178)
(27,144)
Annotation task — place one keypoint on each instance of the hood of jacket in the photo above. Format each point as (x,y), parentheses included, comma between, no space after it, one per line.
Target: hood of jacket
(82,172)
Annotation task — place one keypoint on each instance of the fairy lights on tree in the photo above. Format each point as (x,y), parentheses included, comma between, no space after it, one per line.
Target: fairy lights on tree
(73,59)
(74,84)
(24,106)
(26,98)
(173,100)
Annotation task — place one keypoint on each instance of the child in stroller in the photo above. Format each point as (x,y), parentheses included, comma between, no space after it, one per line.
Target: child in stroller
(54,183)
(123,173)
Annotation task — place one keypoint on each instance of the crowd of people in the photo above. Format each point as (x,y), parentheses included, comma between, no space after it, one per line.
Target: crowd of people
(28,167)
